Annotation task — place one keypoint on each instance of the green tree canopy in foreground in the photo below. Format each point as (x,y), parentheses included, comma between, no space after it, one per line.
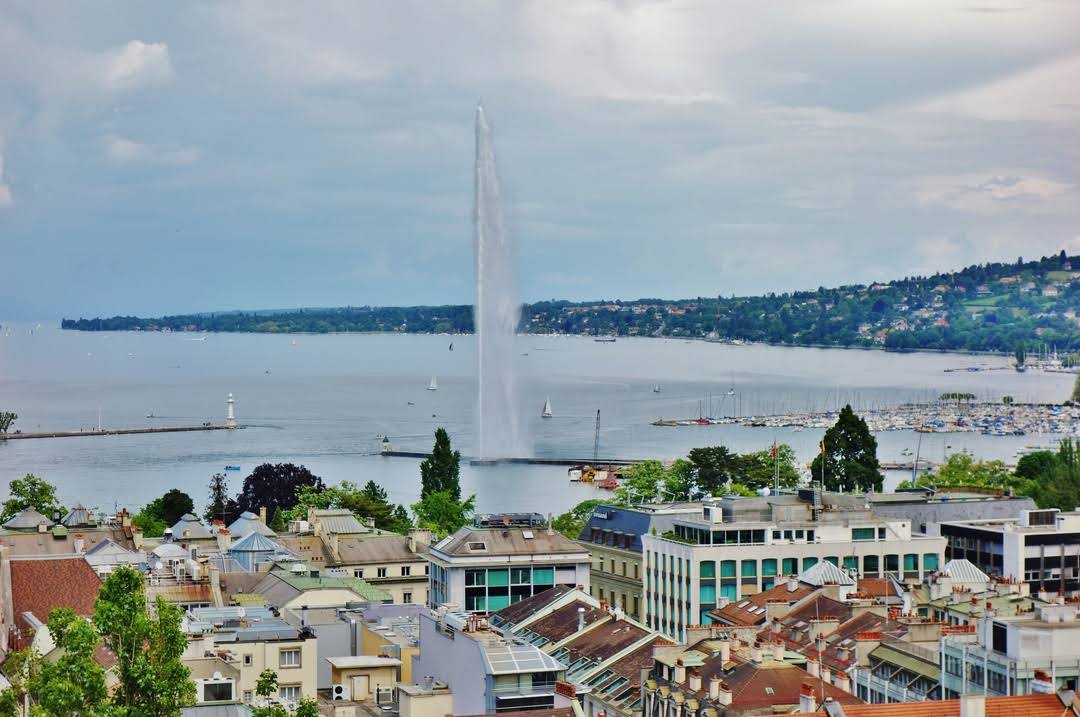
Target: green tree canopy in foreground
(152,681)
(31,492)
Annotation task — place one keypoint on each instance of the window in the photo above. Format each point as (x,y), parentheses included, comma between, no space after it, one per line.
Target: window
(247,695)
(851,562)
(798,535)
(776,535)
(381,572)
(358,573)
(636,569)
(217,691)
(624,568)
(475,577)
(809,536)
(289,657)
(791,566)
(870,565)
(892,563)
(612,566)
(930,561)
(808,563)
(727,568)
(406,598)
(520,576)
(247,660)
(477,546)
(832,559)
(881,534)
(787,535)
(768,567)
(707,569)
(406,570)
(862,533)
(749,568)
(289,693)
(911,562)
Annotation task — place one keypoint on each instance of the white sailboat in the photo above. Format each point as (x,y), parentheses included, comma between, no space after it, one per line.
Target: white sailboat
(434,385)
(546,413)
(656,388)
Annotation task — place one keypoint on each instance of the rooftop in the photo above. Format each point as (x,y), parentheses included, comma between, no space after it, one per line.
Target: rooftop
(39,586)
(1026,705)
(359,661)
(471,541)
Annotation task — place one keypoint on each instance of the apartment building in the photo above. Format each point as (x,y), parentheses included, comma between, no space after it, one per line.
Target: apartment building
(229,647)
(501,560)
(485,671)
(736,547)
(612,535)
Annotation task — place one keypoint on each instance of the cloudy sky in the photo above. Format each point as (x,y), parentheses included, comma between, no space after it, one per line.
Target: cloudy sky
(165,157)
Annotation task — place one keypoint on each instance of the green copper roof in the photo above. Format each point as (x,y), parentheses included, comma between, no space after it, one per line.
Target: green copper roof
(304,582)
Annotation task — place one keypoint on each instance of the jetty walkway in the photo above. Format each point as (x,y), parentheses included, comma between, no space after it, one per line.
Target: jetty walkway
(117,431)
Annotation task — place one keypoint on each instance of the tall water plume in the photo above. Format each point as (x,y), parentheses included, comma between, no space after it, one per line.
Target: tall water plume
(496,312)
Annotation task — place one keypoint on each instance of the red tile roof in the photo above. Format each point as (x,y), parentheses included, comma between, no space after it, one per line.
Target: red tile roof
(736,616)
(1026,705)
(41,585)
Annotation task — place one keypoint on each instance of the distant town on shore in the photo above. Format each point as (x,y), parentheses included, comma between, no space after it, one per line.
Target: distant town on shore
(987,307)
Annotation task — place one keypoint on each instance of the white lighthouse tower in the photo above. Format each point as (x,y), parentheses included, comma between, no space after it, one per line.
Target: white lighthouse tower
(230,415)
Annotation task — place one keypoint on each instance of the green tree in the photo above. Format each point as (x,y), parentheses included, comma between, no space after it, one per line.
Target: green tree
(714,468)
(757,470)
(277,522)
(368,502)
(1036,465)
(849,456)
(7,419)
(573,521)
(31,492)
(219,504)
(148,646)
(1021,354)
(151,525)
(174,505)
(73,685)
(440,472)
(442,514)
(642,483)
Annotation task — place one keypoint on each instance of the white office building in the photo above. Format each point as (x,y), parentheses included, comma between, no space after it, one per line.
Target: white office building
(737,547)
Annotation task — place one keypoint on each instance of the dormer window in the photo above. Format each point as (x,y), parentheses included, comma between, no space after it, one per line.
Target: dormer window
(477,546)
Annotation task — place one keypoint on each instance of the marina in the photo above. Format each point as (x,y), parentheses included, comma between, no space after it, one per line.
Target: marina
(987,418)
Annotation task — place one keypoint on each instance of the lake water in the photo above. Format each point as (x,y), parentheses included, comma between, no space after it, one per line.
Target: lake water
(324,401)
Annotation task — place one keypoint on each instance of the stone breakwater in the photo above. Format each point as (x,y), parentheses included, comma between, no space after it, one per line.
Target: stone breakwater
(994,419)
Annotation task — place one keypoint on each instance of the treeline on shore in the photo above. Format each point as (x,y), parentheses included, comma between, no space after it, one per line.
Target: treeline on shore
(988,307)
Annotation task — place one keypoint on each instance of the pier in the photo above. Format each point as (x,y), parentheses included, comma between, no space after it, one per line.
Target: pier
(118,431)
(524,461)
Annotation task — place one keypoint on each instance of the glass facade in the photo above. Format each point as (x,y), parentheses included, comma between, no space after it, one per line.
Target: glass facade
(491,589)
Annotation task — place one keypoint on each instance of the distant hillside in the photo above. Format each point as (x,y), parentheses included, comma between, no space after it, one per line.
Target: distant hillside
(990,307)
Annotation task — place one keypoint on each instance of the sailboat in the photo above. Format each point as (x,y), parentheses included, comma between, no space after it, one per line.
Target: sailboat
(546,413)
(656,388)
(451,345)
(434,385)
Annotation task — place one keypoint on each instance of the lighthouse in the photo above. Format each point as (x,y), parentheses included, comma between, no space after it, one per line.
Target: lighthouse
(230,414)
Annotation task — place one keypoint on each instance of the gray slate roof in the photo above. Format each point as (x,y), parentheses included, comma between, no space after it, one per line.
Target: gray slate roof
(78,517)
(249,523)
(189,528)
(964,571)
(26,519)
(825,573)
(338,521)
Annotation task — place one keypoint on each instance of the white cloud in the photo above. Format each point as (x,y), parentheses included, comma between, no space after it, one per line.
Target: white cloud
(995,191)
(136,64)
(121,150)
(1047,93)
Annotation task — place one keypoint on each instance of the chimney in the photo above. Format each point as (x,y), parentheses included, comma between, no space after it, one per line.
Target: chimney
(725,651)
(412,542)
(695,681)
(262,515)
(724,693)
(714,688)
(778,651)
(680,673)
(807,703)
(303,616)
(841,681)
(79,543)
(776,626)
(972,706)
(792,584)
(826,675)
(755,653)
(812,667)
(580,619)
(550,529)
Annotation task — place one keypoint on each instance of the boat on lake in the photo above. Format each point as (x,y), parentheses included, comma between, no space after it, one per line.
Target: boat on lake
(434,385)
(546,413)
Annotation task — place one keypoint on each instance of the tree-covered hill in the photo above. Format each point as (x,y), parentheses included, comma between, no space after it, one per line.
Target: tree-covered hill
(988,307)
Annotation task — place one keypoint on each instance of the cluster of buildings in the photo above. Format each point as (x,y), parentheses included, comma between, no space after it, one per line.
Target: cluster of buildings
(920,602)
